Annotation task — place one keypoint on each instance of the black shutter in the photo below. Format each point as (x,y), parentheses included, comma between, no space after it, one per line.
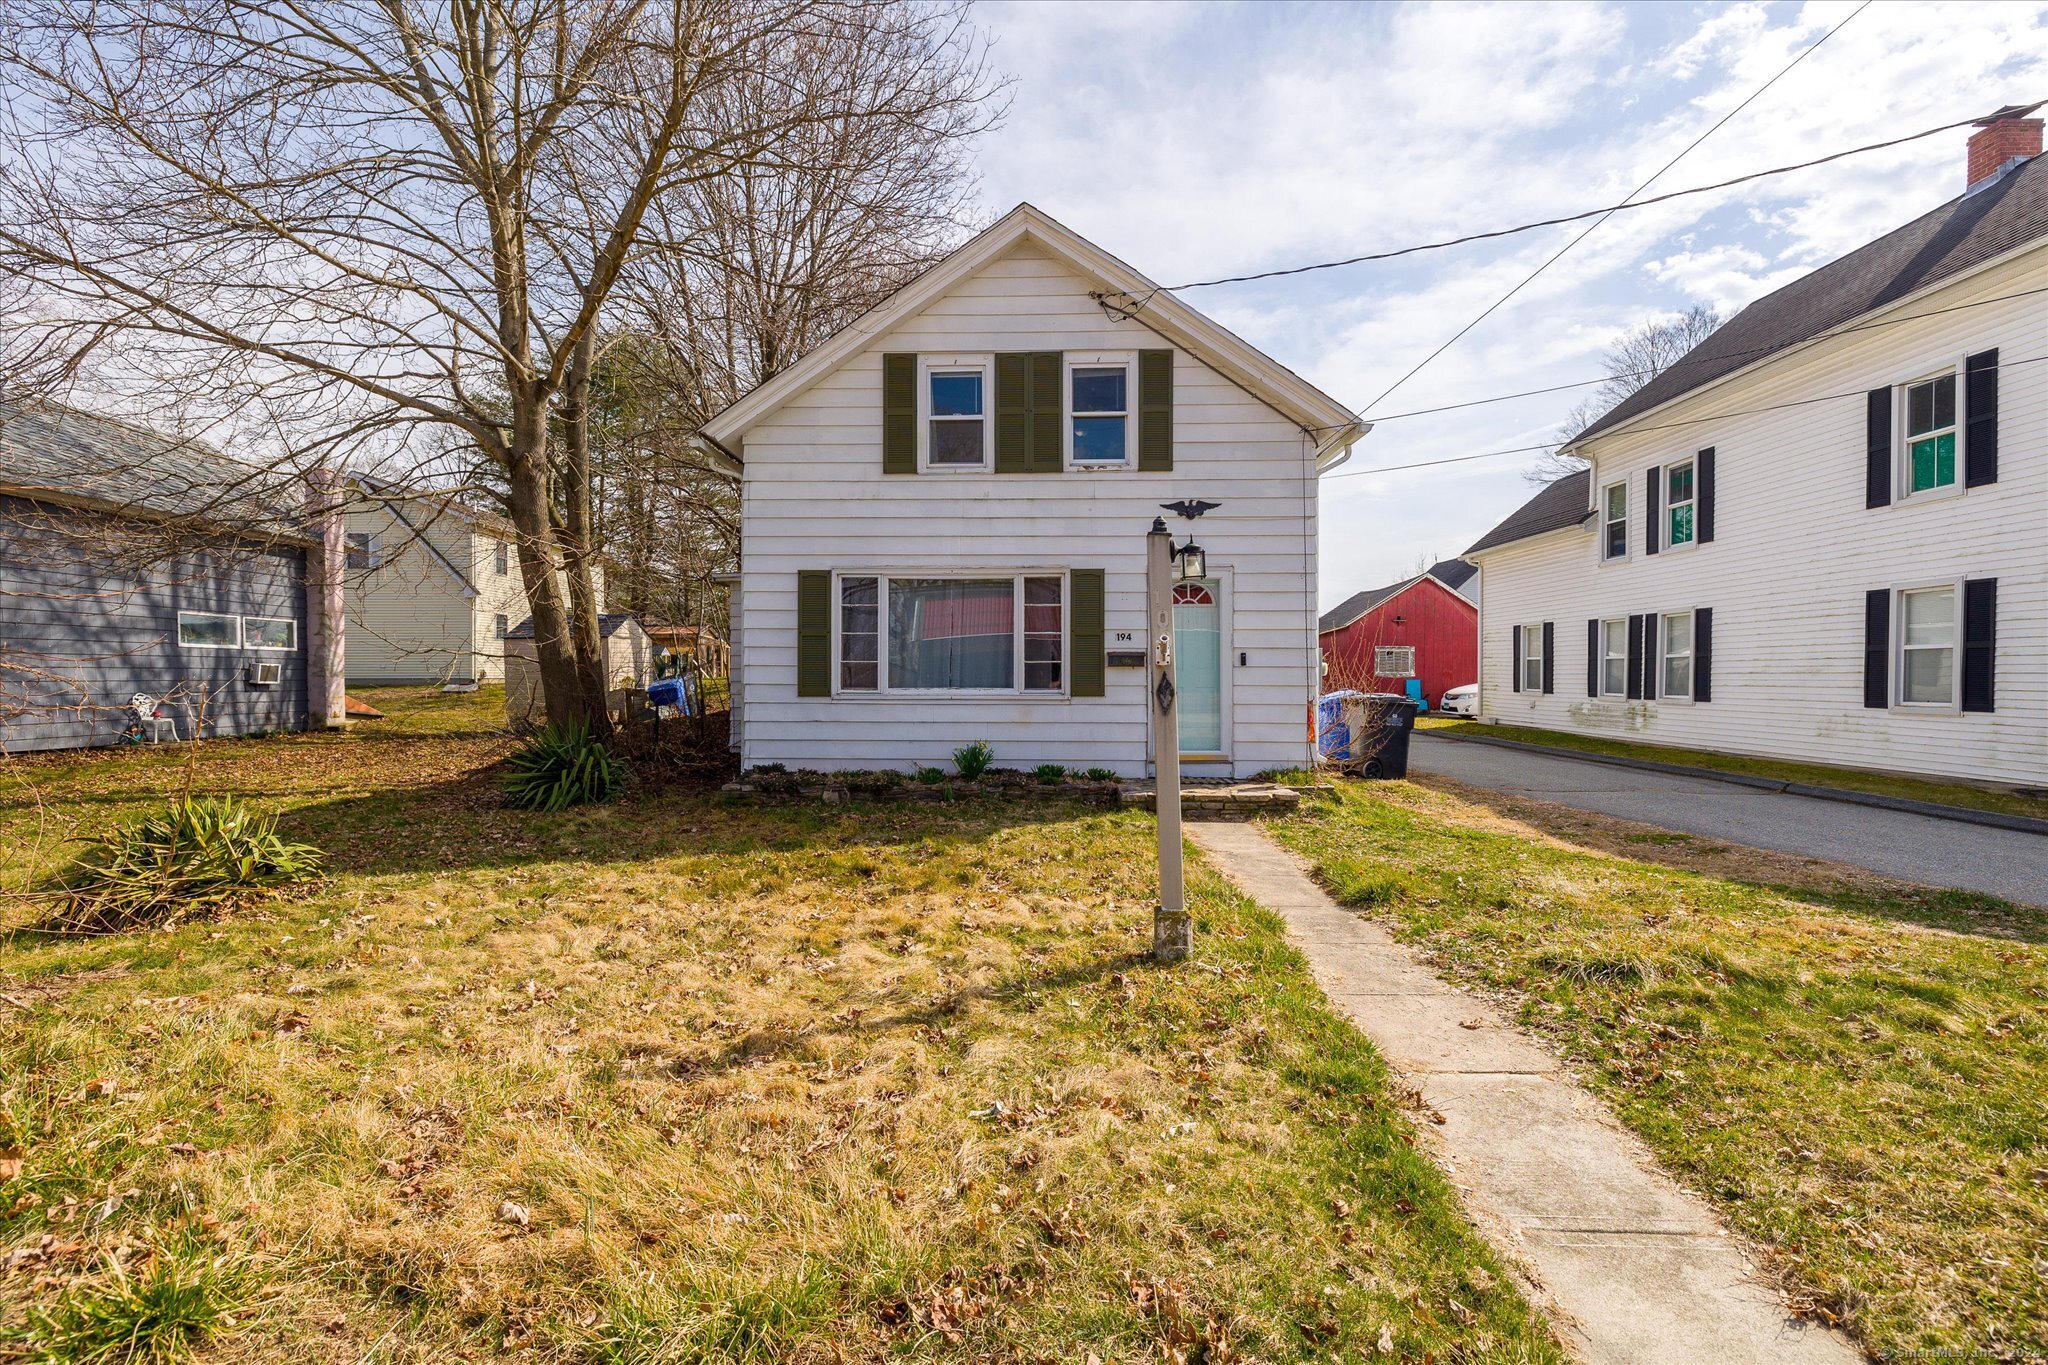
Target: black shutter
(1652,653)
(1703,494)
(1635,658)
(1877,648)
(1516,673)
(1703,654)
(1980,437)
(1013,413)
(1980,643)
(1653,488)
(1593,657)
(1877,473)
(1549,657)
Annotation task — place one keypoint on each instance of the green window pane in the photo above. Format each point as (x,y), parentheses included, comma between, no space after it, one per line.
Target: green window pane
(1934,462)
(1681,525)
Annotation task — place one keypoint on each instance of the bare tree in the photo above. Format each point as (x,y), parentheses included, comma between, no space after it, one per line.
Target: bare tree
(1630,363)
(399,230)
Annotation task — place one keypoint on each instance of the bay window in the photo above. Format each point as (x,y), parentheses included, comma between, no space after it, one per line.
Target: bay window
(952,633)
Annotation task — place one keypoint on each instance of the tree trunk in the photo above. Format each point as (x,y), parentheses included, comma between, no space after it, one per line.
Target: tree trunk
(577,537)
(553,641)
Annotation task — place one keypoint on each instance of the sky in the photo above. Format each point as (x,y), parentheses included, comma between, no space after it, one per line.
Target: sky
(1201,140)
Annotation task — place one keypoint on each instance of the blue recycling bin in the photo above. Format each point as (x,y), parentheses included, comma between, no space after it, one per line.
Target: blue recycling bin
(677,692)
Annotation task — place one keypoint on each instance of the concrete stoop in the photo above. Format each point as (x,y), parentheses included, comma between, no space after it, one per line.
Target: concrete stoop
(1214,798)
(1633,1268)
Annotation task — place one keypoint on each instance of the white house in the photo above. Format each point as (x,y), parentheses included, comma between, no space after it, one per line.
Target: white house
(1822,534)
(944,516)
(432,588)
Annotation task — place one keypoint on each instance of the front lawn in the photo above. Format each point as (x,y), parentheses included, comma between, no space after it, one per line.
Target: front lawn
(678,1079)
(2002,801)
(1852,1072)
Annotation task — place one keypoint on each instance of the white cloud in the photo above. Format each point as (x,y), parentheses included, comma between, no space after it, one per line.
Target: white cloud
(1197,141)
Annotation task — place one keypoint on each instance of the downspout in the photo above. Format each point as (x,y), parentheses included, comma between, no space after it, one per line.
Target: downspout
(326,610)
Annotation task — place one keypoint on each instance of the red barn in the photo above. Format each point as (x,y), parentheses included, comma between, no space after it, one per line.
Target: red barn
(1422,627)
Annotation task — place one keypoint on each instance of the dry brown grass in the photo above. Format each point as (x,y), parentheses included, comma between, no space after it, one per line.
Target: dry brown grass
(675,1079)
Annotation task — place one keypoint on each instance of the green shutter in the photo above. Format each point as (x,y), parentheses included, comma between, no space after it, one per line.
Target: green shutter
(1013,414)
(814,632)
(1084,631)
(1047,449)
(1155,410)
(899,413)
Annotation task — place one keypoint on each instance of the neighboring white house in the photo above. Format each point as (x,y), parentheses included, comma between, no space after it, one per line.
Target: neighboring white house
(433,588)
(944,517)
(1822,534)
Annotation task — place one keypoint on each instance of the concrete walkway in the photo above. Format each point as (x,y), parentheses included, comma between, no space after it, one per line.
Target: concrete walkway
(1636,1271)
(1917,848)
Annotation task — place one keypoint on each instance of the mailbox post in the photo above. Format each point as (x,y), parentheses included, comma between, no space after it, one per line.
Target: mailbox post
(1173,929)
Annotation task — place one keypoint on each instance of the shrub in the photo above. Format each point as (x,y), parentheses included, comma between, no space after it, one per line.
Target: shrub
(1051,774)
(1101,774)
(974,759)
(197,854)
(931,777)
(560,767)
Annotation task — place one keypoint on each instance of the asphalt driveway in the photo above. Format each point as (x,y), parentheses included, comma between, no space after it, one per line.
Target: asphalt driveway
(1917,848)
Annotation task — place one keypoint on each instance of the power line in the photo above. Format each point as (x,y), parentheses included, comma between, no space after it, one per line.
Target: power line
(1662,426)
(1594,226)
(1376,419)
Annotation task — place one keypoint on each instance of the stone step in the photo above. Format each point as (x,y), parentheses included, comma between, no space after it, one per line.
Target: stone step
(1214,800)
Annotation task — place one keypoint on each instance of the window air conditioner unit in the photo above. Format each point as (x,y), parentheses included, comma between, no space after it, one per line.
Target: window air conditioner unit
(266,675)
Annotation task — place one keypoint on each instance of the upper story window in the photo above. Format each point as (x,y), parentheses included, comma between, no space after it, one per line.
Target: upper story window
(956,416)
(501,557)
(1679,499)
(1614,657)
(501,626)
(1098,408)
(360,550)
(1927,646)
(1614,521)
(1930,456)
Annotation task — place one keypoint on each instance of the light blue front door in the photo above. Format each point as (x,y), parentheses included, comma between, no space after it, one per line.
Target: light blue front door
(1198,657)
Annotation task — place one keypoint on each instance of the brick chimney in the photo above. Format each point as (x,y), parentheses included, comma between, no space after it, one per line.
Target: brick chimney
(2005,137)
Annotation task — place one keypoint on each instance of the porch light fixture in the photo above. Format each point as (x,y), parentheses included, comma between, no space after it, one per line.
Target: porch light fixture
(1193,564)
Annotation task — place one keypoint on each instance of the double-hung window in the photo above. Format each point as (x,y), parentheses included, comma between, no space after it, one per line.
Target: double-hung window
(1393,661)
(359,550)
(1614,658)
(1930,446)
(1927,646)
(1675,679)
(1532,657)
(952,633)
(954,398)
(1614,515)
(1679,498)
(501,558)
(501,626)
(1098,410)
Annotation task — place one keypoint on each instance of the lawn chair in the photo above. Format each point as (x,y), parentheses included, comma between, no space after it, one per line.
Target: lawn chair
(1414,689)
(147,720)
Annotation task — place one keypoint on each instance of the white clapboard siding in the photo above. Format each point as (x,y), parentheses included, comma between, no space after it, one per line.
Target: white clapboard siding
(815,497)
(1795,550)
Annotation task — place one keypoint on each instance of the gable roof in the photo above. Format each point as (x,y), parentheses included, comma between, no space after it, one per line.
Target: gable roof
(609,623)
(1968,231)
(1280,388)
(65,455)
(1451,573)
(1560,503)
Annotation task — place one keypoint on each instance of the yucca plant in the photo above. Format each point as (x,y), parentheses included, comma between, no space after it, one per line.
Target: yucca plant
(562,766)
(196,855)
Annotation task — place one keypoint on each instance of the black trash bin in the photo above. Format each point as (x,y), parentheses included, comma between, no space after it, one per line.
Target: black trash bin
(1382,749)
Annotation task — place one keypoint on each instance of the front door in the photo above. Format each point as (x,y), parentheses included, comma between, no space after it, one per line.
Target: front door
(1198,658)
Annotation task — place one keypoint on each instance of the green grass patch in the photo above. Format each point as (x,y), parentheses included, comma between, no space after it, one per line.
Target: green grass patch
(1854,1079)
(1783,770)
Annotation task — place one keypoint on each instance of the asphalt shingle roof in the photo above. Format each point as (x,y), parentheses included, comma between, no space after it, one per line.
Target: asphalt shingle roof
(46,448)
(1558,504)
(1452,573)
(1965,232)
(608,624)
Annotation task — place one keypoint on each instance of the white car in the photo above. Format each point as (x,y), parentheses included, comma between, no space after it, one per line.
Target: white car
(1460,701)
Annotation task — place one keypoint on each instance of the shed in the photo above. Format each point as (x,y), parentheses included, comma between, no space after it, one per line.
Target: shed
(628,665)
(1424,629)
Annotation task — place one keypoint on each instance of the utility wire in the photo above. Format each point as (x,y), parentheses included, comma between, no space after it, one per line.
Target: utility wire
(1594,226)
(1662,426)
(1376,419)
